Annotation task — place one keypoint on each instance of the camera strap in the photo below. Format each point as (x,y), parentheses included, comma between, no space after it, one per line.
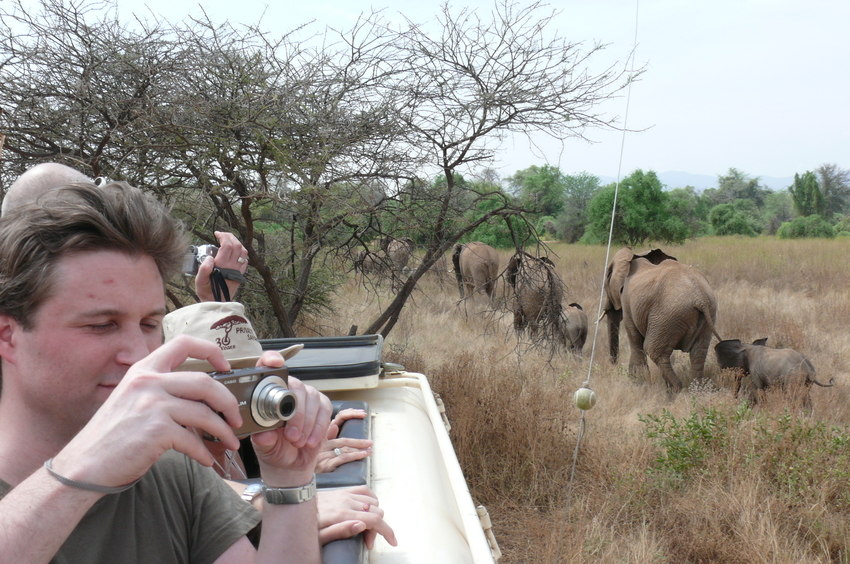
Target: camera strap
(219,286)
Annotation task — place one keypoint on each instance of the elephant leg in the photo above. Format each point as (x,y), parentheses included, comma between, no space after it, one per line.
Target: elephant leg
(807,402)
(674,384)
(489,286)
(660,352)
(637,357)
(698,354)
(519,321)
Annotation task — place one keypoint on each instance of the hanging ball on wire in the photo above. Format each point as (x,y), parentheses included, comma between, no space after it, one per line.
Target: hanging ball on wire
(584,398)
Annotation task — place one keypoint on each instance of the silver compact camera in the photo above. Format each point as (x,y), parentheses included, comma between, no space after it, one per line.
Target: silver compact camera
(265,401)
(196,255)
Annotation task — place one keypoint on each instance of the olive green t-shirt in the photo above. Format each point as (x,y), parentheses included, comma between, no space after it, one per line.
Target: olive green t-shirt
(179,512)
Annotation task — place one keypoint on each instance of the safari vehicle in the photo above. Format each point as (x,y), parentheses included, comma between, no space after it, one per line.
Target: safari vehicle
(413,470)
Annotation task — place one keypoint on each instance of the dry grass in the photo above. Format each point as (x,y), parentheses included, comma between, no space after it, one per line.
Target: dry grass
(766,485)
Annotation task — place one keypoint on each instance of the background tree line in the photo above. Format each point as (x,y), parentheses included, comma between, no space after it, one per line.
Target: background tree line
(310,145)
(577,208)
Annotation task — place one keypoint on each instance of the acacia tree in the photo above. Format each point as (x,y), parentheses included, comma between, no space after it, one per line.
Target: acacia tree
(304,149)
(466,81)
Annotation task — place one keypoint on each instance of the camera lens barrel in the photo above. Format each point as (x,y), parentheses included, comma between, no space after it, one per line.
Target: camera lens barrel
(272,402)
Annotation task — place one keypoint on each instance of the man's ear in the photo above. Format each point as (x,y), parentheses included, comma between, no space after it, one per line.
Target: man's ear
(9,328)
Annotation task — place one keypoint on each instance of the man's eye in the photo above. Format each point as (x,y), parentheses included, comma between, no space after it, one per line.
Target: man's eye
(101,326)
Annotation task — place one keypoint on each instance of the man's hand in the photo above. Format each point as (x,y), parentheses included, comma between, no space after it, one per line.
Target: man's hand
(287,455)
(231,255)
(151,411)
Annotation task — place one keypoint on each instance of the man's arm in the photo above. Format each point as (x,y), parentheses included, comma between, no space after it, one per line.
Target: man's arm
(147,414)
(287,458)
(43,510)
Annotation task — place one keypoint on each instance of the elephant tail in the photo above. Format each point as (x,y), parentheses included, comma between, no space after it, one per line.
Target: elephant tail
(456,263)
(706,313)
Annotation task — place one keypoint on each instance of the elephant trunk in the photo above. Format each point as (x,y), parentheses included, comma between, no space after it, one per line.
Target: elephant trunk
(615,316)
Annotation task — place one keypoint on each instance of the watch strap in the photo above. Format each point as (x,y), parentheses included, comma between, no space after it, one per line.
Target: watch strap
(252,492)
(287,496)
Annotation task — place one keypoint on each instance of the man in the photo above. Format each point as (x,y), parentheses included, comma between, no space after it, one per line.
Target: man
(343,512)
(90,403)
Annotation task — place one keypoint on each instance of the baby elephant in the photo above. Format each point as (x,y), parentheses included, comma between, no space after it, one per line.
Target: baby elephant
(769,368)
(576,331)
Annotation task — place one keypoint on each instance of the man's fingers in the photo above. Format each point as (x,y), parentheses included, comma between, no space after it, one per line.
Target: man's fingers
(172,354)
(308,427)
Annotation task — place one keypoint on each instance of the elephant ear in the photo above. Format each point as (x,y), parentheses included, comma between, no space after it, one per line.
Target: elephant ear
(656,256)
(618,270)
(731,354)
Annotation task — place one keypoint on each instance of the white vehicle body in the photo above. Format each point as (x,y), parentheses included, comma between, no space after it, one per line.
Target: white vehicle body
(413,469)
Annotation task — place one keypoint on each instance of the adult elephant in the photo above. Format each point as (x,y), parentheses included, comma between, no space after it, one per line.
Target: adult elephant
(537,301)
(666,306)
(367,262)
(476,267)
(766,367)
(538,292)
(399,251)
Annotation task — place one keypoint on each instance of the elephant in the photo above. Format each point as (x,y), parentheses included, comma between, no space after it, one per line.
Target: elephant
(476,267)
(766,367)
(666,306)
(367,262)
(399,251)
(576,321)
(537,301)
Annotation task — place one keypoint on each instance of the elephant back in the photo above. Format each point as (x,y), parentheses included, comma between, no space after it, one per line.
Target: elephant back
(538,290)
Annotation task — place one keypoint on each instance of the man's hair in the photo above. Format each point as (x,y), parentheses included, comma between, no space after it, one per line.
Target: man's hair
(79,218)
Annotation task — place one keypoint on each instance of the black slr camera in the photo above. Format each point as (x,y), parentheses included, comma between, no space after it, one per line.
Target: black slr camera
(196,255)
(265,401)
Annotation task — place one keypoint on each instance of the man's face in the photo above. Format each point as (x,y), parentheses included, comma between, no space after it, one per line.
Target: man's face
(104,314)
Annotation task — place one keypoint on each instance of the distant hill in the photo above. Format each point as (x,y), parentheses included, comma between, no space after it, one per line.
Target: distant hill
(678,179)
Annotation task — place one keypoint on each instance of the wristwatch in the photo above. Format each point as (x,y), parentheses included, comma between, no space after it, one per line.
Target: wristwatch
(286,496)
(252,492)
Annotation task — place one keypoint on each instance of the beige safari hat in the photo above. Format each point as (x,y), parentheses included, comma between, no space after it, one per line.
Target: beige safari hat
(223,323)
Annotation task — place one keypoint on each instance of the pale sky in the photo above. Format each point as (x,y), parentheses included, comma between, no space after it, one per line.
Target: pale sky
(759,85)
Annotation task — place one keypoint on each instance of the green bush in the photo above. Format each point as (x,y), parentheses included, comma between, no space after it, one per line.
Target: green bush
(804,459)
(643,213)
(811,226)
(801,460)
(735,219)
(686,444)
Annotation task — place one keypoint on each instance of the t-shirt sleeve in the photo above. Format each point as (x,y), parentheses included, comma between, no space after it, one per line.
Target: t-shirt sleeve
(220,517)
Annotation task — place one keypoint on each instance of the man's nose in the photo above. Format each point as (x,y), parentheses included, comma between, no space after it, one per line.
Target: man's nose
(135,345)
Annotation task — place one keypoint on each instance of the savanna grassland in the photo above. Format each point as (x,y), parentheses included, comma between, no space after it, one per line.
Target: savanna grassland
(701,478)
